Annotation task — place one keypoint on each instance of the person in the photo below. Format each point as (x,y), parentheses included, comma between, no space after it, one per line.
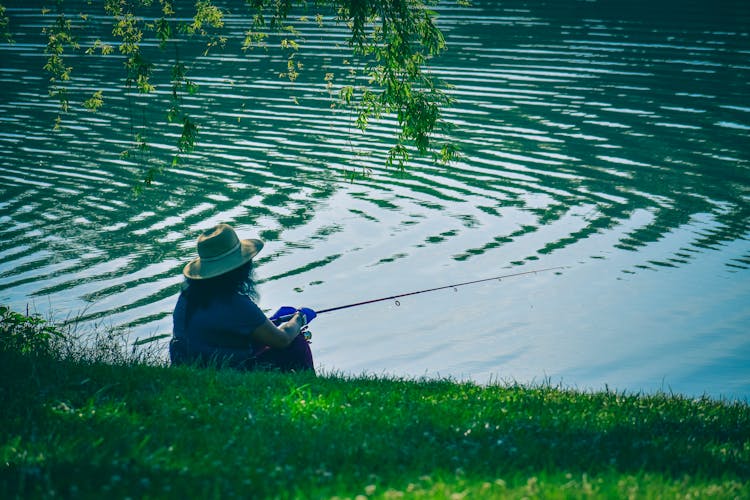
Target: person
(216,319)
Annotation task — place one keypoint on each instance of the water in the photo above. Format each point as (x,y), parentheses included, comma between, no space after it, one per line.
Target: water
(613,141)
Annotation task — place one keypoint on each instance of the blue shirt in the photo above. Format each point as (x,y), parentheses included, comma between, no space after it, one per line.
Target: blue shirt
(221,330)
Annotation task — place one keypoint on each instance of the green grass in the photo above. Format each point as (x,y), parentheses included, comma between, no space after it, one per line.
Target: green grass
(78,426)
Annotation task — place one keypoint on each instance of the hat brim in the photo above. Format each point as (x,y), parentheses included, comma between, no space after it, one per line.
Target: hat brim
(197,269)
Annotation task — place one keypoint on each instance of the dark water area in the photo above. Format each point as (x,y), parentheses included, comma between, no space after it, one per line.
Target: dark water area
(608,137)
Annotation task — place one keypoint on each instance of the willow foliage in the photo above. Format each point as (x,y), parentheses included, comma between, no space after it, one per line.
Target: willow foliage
(391,42)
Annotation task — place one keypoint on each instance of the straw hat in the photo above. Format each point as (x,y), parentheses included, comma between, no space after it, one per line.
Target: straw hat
(220,251)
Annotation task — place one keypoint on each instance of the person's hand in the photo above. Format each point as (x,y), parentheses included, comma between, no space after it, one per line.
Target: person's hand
(284,311)
(309,314)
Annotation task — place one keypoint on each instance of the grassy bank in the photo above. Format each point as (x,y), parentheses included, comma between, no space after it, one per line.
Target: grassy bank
(78,426)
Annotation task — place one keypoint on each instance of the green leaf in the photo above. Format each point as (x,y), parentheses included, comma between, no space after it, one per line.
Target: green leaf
(5,26)
(94,102)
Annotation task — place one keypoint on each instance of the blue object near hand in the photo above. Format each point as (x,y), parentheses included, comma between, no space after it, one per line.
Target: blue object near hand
(309,314)
(282,312)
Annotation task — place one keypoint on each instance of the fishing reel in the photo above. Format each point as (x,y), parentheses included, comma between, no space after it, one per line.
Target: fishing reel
(285,313)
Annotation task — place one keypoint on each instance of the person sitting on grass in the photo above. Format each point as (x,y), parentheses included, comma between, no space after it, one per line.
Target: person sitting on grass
(217,321)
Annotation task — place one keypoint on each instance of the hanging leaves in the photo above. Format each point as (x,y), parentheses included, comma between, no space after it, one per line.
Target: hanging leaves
(392,42)
(5,26)
(94,102)
(59,38)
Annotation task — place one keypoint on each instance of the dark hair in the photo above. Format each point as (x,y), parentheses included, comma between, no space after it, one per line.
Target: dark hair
(200,293)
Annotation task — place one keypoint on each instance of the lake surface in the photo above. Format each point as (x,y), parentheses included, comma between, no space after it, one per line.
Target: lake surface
(611,141)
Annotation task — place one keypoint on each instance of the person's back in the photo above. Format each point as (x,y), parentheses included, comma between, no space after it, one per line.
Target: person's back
(217,332)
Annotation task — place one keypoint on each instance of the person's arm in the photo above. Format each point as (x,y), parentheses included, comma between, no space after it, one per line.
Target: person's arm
(279,336)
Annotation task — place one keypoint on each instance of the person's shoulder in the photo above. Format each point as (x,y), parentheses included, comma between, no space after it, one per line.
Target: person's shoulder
(242,300)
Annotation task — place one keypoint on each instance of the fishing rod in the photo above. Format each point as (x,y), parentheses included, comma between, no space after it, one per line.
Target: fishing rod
(456,285)
(427,290)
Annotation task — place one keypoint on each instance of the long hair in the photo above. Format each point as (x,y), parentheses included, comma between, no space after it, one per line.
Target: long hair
(200,293)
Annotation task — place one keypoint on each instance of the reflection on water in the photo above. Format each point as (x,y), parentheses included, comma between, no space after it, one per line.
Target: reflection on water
(596,138)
